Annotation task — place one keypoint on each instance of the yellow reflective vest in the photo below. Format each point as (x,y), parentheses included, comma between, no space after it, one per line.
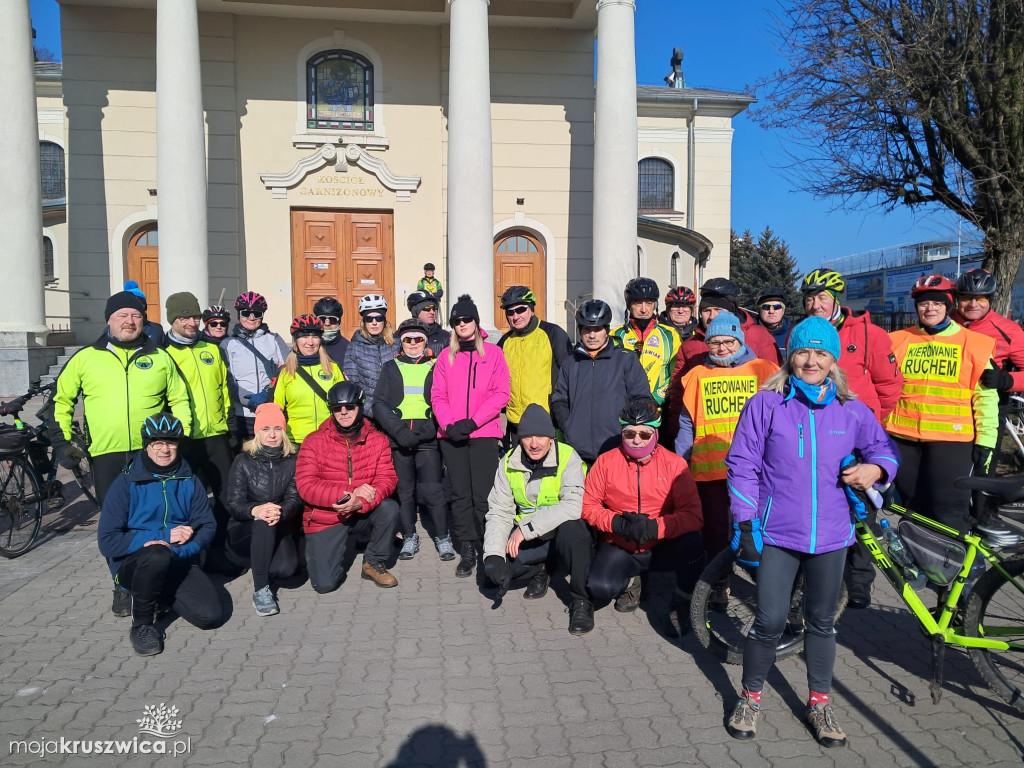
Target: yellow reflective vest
(414,378)
(304,408)
(205,375)
(550,487)
(657,351)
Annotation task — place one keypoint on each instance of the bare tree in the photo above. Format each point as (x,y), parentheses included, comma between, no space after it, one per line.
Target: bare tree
(909,102)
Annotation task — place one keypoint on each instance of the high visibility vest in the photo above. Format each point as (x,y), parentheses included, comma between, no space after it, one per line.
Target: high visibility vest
(714,397)
(940,375)
(657,354)
(550,487)
(414,376)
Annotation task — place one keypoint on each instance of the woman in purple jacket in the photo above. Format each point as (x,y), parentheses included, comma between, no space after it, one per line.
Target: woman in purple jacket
(789,509)
(470,387)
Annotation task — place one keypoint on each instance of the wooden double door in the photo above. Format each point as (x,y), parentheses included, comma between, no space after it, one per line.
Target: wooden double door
(144,268)
(519,259)
(346,255)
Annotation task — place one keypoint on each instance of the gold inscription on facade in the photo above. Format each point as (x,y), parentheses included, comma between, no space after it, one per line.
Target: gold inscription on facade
(341,186)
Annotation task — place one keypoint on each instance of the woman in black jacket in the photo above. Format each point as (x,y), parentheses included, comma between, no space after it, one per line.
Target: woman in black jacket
(265,507)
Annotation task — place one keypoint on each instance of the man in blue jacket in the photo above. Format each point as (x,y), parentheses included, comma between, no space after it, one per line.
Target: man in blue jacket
(155,521)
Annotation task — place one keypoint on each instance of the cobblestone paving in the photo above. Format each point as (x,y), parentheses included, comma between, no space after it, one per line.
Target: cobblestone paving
(430,674)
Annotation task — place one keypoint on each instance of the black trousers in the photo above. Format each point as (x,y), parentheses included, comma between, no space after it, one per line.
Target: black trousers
(210,459)
(613,566)
(925,480)
(152,575)
(419,480)
(471,466)
(325,549)
(573,545)
(271,551)
(105,469)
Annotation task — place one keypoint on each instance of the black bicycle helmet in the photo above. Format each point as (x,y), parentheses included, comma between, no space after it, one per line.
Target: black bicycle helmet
(345,393)
(518,294)
(641,289)
(161,426)
(640,411)
(420,298)
(771,292)
(721,286)
(328,305)
(410,325)
(976,282)
(593,313)
(215,310)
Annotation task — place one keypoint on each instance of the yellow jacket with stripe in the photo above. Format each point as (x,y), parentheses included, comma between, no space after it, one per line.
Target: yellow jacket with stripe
(120,388)
(534,356)
(304,408)
(205,375)
(657,348)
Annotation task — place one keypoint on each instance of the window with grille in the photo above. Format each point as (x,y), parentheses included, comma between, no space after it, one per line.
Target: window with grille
(48,271)
(339,91)
(656,180)
(51,170)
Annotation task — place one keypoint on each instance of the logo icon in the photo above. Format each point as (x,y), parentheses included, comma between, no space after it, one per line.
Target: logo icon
(160,721)
(206,357)
(322,375)
(144,363)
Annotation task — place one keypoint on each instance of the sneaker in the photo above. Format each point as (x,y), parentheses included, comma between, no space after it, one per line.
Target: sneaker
(718,600)
(821,719)
(264,603)
(122,605)
(858,596)
(629,600)
(467,560)
(146,640)
(445,550)
(410,547)
(378,574)
(581,616)
(743,723)
(538,586)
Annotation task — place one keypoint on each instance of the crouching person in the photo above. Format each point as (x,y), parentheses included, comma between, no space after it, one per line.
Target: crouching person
(155,520)
(534,507)
(345,475)
(643,500)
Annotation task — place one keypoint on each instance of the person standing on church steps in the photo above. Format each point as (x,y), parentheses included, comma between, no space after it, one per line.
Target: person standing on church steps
(429,283)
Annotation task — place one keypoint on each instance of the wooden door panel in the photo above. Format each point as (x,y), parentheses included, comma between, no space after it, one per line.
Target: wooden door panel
(518,260)
(144,268)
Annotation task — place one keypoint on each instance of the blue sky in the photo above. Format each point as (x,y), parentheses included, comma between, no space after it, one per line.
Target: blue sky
(727,45)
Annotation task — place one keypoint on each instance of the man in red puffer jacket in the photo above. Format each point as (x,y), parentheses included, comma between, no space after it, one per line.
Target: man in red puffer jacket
(345,477)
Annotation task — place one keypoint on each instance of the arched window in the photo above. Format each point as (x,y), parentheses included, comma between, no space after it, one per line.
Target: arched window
(339,91)
(48,270)
(51,170)
(656,181)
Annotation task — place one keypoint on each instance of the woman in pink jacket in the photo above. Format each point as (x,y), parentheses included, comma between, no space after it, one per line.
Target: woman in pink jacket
(470,387)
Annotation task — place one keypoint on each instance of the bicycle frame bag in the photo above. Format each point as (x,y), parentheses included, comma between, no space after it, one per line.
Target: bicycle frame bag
(937,557)
(12,439)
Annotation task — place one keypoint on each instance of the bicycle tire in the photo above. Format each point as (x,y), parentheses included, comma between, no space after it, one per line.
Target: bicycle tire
(724,633)
(996,600)
(21,506)
(83,472)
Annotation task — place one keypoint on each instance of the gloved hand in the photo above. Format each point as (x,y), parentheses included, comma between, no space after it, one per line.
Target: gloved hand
(407,439)
(461,429)
(258,399)
(69,455)
(857,505)
(997,378)
(498,570)
(747,542)
(425,431)
(982,457)
(635,526)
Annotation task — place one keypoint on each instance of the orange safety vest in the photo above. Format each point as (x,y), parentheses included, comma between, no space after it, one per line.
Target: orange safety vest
(714,397)
(940,375)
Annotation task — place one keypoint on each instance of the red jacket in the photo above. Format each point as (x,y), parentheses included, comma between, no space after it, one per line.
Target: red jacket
(661,485)
(1009,342)
(869,364)
(330,465)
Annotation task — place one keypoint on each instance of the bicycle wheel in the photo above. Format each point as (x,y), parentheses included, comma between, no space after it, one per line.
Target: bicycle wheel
(996,609)
(724,632)
(83,472)
(21,506)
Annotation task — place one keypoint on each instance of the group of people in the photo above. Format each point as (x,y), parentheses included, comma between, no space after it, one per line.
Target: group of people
(652,444)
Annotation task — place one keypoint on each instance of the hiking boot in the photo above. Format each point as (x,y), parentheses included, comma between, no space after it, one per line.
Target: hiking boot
(264,603)
(743,723)
(858,596)
(538,587)
(581,616)
(629,600)
(146,640)
(445,550)
(410,547)
(467,560)
(821,719)
(718,600)
(122,605)
(378,574)
(997,534)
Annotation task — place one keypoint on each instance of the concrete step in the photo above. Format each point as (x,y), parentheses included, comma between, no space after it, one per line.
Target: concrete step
(56,368)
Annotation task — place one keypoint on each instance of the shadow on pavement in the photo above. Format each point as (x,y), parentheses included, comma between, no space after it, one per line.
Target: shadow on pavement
(437,746)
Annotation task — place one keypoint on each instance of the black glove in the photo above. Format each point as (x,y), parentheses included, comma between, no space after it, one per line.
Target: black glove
(997,378)
(69,455)
(425,432)
(635,526)
(461,429)
(498,570)
(982,458)
(747,542)
(407,439)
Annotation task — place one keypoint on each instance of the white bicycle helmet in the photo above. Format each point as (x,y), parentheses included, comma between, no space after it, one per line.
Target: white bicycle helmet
(372,302)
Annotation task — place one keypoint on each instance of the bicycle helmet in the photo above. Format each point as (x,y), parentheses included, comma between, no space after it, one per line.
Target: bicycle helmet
(936,286)
(306,325)
(412,325)
(518,294)
(721,287)
(819,280)
(252,301)
(680,296)
(772,292)
(328,305)
(416,300)
(976,282)
(372,302)
(640,411)
(215,310)
(641,289)
(593,313)
(428,267)
(345,393)
(162,426)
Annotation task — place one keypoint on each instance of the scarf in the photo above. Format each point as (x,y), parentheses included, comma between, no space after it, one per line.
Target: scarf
(271,454)
(733,359)
(642,452)
(938,328)
(331,335)
(181,340)
(817,395)
(305,360)
(158,471)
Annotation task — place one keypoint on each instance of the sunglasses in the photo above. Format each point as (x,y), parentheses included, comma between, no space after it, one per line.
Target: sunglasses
(216,324)
(429,308)
(462,320)
(373,318)
(332,319)
(632,434)
(975,299)
(251,313)
(772,306)
(413,339)
(344,408)
(516,310)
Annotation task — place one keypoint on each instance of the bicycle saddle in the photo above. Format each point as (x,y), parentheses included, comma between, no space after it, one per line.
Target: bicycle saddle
(1004,488)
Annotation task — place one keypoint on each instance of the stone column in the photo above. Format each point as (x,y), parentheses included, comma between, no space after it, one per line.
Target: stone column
(470,172)
(180,153)
(615,154)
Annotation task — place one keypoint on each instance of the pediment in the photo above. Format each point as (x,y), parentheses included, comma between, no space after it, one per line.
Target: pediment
(340,157)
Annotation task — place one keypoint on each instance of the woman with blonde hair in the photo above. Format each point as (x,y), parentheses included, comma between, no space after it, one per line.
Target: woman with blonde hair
(305,378)
(265,507)
(373,344)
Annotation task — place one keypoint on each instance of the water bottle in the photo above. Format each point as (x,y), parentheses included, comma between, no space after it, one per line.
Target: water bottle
(901,556)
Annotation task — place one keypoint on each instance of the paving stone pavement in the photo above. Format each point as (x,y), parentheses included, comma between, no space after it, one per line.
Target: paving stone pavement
(431,674)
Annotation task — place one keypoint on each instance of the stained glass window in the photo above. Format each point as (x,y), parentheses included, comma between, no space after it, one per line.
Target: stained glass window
(339,91)
(51,170)
(656,179)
